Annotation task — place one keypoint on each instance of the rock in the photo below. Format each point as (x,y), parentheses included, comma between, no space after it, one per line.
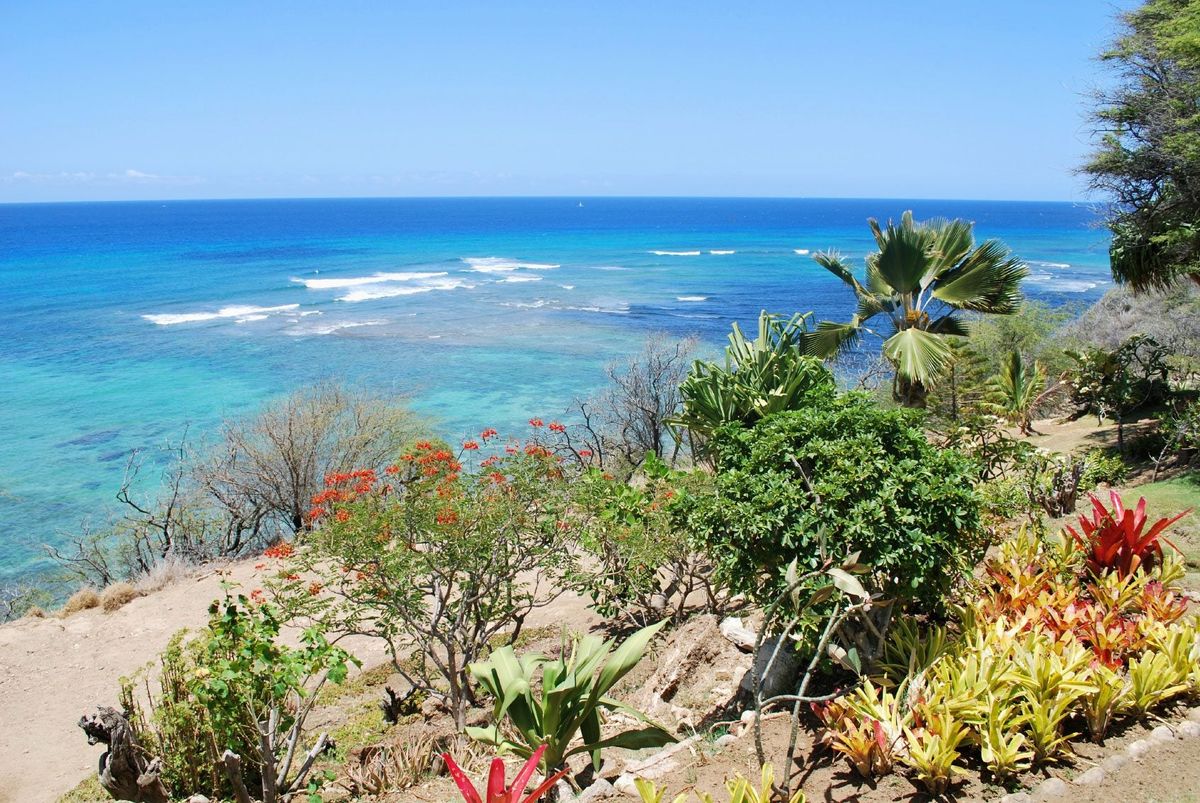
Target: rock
(626,786)
(1194,714)
(599,790)
(1114,762)
(1161,734)
(1090,777)
(726,740)
(1137,749)
(1188,730)
(197,799)
(748,716)
(1052,788)
(682,689)
(738,634)
(1016,797)
(784,674)
(661,762)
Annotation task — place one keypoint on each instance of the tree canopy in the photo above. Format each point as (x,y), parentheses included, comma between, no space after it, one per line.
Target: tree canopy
(1147,159)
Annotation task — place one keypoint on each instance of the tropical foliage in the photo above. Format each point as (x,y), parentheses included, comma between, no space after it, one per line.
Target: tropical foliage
(552,702)
(1016,391)
(840,478)
(772,373)
(497,790)
(920,281)
(1148,127)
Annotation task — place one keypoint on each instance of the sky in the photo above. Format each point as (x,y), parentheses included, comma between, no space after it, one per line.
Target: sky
(972,99)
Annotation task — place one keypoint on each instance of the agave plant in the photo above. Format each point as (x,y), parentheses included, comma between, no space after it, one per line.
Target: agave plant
(566,702)
(497,792)
(921,278)
(773,372)
(1017,390)
(1117,540)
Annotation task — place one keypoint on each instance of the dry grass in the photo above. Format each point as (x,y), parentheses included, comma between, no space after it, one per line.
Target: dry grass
(164,573)
(117,596)
(81,600)
(35,612)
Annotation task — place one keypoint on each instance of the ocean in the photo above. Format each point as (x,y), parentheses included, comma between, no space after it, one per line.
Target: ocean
(127,324)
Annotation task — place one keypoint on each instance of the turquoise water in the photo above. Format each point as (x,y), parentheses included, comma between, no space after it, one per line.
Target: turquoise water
(126,323)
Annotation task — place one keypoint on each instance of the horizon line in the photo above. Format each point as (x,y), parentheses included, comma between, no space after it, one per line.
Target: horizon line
(302,198)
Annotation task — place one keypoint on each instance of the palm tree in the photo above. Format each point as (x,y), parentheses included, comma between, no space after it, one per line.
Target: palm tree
(921,278)
(1017,390)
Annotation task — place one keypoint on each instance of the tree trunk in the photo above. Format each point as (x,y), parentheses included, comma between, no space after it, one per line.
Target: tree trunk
(909,392)
(125,773)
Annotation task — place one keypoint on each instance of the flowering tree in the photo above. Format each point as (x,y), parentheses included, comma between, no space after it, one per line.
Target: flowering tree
(437,557)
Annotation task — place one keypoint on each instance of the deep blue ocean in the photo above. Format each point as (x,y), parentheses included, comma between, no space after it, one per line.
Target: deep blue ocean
(125,323)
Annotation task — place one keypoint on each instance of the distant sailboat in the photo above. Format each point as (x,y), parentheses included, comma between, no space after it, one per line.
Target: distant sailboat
(581,203)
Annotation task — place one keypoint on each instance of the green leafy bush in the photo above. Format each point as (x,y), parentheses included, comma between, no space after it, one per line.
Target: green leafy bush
(1103,467)
(836,479)
(642,566)
(236,687)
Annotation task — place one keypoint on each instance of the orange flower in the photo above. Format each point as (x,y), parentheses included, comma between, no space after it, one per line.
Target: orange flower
(314,589)
(488,433)
(536,423)
(446,517)
(343,515)
(585,453)
(557,427)
(392,470)
(471,446)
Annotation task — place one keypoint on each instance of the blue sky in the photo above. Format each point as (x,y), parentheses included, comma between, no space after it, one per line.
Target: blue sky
(918,99)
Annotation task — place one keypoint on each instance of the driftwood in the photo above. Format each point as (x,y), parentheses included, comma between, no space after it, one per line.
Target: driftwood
(126,772)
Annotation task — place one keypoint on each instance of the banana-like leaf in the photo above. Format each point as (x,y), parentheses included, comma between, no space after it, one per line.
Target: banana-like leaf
(651,736)
(918,355)
(626,658)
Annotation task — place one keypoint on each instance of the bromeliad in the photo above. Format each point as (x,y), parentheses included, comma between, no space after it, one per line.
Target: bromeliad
(1115,541)
(496,790)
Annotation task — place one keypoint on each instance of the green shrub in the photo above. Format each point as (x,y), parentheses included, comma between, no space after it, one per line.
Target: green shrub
(641,565)
(236,686)
(837,479)
(1103,467)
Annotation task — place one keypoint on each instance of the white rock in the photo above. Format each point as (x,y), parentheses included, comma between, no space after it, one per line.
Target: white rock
(1188,729)
(1052,788)
(1114,762)
(1090,777)
(748,716)
(726,740)
(599,790)
(1161,734)
(626,786)
(1194,714)
(1137,749)
(197,799)
(738,634)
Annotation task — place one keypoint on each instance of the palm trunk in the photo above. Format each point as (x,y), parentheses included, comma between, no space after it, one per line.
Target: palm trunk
(909,392)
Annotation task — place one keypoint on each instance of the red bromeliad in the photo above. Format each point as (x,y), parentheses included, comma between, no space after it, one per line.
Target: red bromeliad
(496,791)
(1115,540)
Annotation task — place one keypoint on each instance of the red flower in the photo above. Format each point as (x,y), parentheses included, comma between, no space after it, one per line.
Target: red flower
(536,423)
(446,517)
(497,477)
(471,446)
(423,446)
(392,470)
(488,433)
(557,427)
(510,450)
(491,461)
(292,576)
(281,550)
(585,453)
(256,595)
(343,515)
(314,589)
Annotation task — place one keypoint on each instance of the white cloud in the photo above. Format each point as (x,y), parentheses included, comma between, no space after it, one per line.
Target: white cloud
(128,176)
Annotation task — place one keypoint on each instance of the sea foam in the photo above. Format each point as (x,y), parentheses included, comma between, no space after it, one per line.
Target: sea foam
(722,253)
(676,253)
(241,313)
(358,281)
(503,265)
(691,298)
(372,292)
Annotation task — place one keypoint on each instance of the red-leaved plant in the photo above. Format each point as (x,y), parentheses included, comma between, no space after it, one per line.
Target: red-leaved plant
(496,791)
(1117,540)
